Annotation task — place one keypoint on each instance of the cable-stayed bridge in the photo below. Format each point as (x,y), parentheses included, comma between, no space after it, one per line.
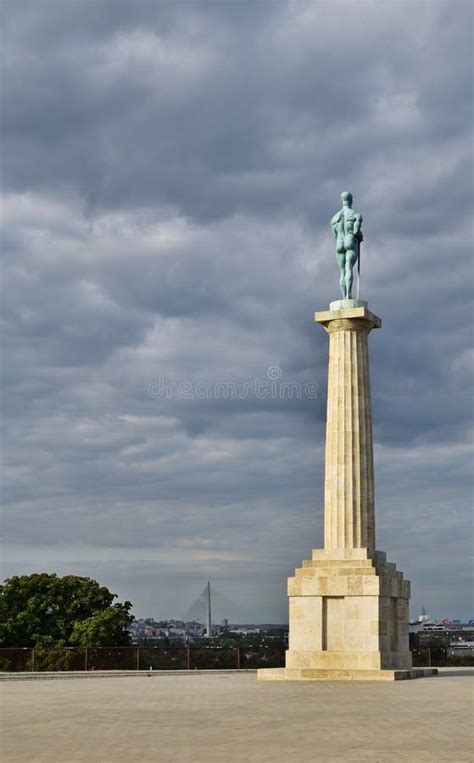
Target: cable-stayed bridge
(212,605)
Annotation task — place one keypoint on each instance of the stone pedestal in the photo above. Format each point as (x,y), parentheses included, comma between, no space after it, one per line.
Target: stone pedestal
(348,605)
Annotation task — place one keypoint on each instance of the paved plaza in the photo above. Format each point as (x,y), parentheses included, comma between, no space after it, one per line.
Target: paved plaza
(230,718)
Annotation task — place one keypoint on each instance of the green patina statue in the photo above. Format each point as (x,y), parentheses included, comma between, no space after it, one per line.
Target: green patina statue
(346,225)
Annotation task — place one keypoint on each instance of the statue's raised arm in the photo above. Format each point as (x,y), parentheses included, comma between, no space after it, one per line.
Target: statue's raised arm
(347,227)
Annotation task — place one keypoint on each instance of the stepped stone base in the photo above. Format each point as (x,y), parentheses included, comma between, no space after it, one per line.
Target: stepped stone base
(348,611)
(348,620)
(314,674)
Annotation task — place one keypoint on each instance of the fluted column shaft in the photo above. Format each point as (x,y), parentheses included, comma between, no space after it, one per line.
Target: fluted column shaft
(349,518)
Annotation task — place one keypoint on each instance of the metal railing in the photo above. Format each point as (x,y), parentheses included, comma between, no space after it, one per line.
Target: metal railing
(14,659)
(179,657)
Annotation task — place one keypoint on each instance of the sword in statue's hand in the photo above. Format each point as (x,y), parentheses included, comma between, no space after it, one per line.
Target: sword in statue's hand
(358,267)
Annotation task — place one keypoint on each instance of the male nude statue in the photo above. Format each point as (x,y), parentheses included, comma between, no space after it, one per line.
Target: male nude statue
(346,225)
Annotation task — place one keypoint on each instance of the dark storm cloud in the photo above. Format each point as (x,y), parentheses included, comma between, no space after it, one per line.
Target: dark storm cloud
(223,109)
(169,173)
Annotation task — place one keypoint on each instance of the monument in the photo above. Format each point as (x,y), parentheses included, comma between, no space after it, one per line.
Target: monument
(348,606)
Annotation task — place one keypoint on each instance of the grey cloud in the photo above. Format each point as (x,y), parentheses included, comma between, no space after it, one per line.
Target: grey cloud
(169,173)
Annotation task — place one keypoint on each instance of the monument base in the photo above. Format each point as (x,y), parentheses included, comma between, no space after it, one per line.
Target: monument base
(347,304)
(348,620)
(315,674)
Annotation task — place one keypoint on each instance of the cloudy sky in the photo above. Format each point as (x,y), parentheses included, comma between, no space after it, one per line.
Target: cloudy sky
(169,171)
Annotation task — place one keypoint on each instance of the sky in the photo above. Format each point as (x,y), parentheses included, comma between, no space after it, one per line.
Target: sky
(169,170)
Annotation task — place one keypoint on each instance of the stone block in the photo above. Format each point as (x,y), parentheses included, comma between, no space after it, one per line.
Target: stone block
(343,612)
(333,674)
(338,659)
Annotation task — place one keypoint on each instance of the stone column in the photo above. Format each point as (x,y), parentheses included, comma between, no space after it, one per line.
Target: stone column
(349,520)
(348,605)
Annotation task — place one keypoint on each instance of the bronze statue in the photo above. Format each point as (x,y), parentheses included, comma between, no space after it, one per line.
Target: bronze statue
(346,225)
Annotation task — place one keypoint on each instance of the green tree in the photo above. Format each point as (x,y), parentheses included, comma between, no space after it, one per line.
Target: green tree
(103,629)
(44,609)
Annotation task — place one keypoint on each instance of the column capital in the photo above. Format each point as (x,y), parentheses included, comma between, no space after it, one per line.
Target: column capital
(347,319)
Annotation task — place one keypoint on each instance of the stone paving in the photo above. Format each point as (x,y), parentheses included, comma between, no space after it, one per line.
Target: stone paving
(229,718)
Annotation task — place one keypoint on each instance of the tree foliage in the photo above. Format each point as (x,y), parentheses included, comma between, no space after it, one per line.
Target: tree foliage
(44,609)
(103,629)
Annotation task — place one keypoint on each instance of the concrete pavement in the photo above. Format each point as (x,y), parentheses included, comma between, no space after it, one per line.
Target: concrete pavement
(229,718)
